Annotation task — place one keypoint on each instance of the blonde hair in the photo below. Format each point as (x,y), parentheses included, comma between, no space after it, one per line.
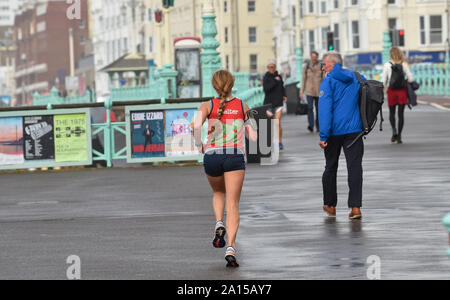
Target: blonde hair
(223,83)
(397,55)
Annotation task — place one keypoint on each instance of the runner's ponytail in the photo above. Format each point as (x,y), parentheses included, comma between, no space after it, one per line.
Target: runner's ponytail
(223,82)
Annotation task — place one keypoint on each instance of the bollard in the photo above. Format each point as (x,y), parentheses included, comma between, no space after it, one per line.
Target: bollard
(446,222)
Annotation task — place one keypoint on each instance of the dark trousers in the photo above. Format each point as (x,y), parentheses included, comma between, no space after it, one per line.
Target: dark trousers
(313,101)
(354,157)
(401,119)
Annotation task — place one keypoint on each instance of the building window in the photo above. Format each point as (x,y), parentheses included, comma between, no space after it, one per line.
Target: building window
(323,7)
(225,6)
(150,44)
(422,31)
(436,30)
(252,34)
(150,15)
(336,4)
(301,9)
(251,6)
(311,7)
(294,16)
(355,34)
(226,35)
(312,46)
(227,62)
(392,2)
(337,42)
(431,30)
(354,2)
(325,31)
(253,63)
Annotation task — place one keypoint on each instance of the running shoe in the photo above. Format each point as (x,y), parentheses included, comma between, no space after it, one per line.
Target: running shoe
(281,146)
(219,240)
(230,257)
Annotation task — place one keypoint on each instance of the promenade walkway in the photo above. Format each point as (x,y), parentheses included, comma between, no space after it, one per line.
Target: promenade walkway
(157,222)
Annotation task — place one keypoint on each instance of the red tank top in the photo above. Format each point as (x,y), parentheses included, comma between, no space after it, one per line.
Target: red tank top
(228,132)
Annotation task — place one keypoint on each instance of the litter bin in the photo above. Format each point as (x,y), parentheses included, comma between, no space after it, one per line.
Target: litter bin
(256,157)
(293,96)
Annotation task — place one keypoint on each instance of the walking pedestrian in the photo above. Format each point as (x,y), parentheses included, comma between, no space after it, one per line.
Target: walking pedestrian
(312,78)
(275,96)
(340,123)
(224,160)
(393,78)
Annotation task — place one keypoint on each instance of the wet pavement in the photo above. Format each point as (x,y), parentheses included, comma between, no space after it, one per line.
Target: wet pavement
(157,223)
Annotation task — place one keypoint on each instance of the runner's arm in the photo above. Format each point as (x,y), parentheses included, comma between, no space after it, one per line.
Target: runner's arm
(200,119)
(250,133)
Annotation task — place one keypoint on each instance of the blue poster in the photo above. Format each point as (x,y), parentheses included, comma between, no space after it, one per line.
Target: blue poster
(180,133)
(147,134)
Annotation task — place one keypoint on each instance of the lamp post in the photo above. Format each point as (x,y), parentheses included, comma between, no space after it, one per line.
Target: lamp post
(210,58)
(167,4)
(158,19)
(387,43)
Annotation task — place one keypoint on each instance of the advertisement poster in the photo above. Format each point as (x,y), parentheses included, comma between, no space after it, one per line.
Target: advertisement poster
(38,138)
(179,133)
(71,142)
(147,134)
(11,141)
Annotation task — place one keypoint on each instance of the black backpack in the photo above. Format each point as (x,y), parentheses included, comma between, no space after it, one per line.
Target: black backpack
(397,81)
(371,99)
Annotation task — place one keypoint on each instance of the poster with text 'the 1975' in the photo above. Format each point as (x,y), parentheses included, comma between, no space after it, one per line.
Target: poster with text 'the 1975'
(71,142)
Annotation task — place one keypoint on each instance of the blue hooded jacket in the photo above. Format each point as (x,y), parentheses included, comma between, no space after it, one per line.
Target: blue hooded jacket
(339,112)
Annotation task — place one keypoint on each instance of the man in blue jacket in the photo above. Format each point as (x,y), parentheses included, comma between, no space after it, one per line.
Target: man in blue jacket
(340,124)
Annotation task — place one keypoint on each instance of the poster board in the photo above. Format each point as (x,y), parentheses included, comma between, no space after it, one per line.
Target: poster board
(187,63)
(50,138)
(161,133)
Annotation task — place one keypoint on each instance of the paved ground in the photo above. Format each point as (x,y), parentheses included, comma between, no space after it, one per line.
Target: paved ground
(156,223)
(440,101)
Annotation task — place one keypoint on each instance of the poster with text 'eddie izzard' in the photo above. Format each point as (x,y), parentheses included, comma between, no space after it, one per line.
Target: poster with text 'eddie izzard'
(147,134)
(71,143)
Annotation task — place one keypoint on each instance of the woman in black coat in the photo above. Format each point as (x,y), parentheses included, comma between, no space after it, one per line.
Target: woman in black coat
(275,96)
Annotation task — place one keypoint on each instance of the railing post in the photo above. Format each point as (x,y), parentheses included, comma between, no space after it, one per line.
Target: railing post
(446,222)
(210,59)
(108,133)
(447,73)
(299,66)
(169,75)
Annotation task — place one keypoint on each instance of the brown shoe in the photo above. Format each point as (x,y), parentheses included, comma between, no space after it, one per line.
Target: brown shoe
(331,211)
(355,214)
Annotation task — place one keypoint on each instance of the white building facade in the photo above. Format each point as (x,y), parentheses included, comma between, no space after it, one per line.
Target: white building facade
(121,27)
(358,27)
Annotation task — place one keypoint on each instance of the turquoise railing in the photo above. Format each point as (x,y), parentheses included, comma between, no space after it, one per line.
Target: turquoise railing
(433,79)
(108,129)
(254,97)
(54,98)
(446,222)
(241,82)
(153,90)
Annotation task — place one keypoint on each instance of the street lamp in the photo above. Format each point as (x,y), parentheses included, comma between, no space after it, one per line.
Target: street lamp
(167,4)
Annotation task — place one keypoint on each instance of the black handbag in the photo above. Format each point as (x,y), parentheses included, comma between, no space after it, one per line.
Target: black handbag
(302,107)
